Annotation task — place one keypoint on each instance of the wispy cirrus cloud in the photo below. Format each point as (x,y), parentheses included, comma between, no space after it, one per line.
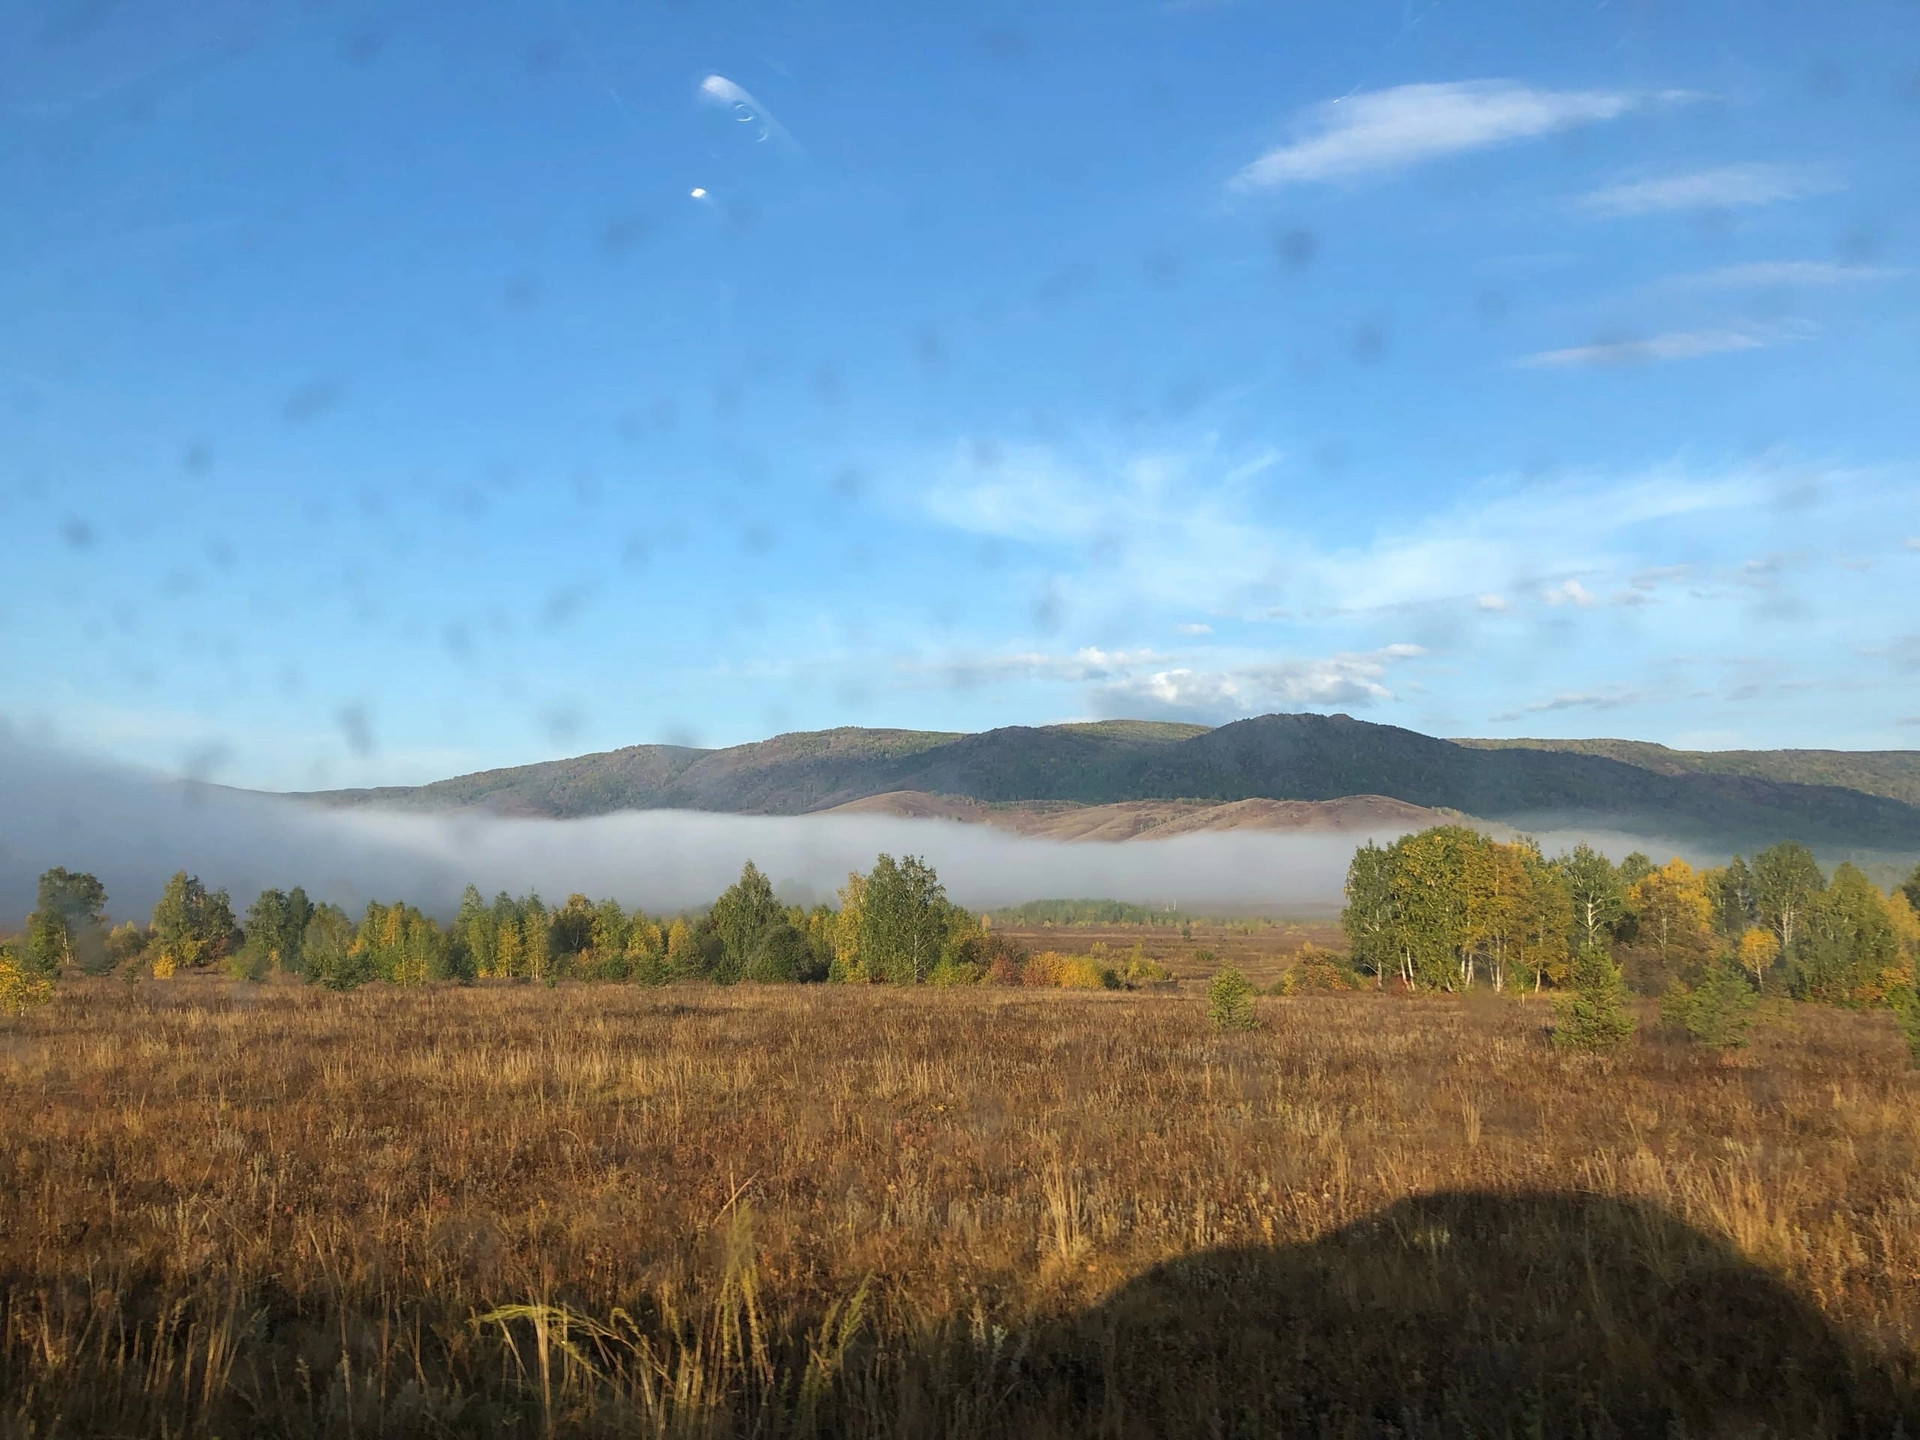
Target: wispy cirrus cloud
(1548,585)
(1674,345)
(1722,187)
(1384,130)
(1762,273)
(1191,528)
(1617,698)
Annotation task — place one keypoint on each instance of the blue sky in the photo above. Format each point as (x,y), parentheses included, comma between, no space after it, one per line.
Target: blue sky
(392,393)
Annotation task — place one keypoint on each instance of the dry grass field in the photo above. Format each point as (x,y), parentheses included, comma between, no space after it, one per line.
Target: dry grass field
(234,1210)
(1262,949)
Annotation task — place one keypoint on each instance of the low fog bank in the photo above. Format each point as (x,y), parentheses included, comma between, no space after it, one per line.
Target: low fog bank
(134,830)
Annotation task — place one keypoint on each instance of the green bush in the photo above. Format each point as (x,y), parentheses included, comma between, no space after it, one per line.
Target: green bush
(1717,1012)
(1592,1014)
(650,967)
(956,972)
(1230,1001)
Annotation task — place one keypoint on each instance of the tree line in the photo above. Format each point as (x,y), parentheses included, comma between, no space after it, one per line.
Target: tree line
(893,924)
(1449,908)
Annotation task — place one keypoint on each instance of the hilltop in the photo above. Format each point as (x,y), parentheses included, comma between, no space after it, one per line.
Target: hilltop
(1853,800)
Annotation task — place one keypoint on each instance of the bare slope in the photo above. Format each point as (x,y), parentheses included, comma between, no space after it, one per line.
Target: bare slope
(1153,819)
(1271,757)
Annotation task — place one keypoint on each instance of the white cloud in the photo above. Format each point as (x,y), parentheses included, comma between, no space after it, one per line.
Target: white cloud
(1912,542)
(1675,345)
(1250,689)
(1780,272)
(1173,527)
(1147,539)
(1382,130)
(1081,666)
(1720,188)
(1125,681)
(1609,699)
(1194,629)
(1568,592)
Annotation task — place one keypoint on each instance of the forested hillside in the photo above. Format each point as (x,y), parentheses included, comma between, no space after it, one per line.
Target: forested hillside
(1892,773)
(1277,757)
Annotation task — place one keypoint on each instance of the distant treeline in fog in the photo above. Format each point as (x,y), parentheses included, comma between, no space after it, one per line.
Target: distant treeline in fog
(893,924)
(1447,909)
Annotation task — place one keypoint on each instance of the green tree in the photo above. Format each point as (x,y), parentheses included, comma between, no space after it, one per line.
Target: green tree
(1592,1013)
(904,919)
(1369,919)
(570,934)
(1734,908)
(1596,893)
(536,954)
(1717,1012)
(1844,942)
(66,926)
(1786,878)
(610,939)
(781,955)
(330,956)
(1547,918)
(192,925)
(1912,888)
(276,925)
(474,934)
(1444,887)
(1230,1000)
(742,920)
(400,945)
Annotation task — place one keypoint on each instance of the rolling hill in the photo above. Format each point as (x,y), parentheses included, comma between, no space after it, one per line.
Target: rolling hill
(1752,799)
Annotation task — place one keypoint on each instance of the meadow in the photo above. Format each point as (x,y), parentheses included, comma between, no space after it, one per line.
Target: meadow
(1261,948)
(573,1210)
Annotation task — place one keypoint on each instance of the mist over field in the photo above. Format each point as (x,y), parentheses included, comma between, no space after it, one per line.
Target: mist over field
(134,830)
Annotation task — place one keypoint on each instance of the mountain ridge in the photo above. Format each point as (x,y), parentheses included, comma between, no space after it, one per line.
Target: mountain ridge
(1280,757)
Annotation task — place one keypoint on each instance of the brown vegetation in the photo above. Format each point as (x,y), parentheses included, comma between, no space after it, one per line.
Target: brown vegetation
(1152,819)
(1262,949)
(580,1210)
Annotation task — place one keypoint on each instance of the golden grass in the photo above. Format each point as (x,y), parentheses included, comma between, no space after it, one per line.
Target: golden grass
(598,1209)
(1260,949)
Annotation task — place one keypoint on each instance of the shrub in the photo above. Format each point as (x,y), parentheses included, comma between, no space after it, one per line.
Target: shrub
(1230,1001)
(1592,1015)
(20,987)
(1317,971)
(1083,972)
(1717,1012)
(246,964)
(1141,970)
(125,942)
(649,967)
(1005,969)
(1043,970)
(956,972)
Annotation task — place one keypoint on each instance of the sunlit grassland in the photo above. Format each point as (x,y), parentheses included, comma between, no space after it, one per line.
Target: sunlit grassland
(237,1209)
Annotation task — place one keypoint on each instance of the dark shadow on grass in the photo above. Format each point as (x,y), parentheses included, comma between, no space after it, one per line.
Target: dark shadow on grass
(1461,1314)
